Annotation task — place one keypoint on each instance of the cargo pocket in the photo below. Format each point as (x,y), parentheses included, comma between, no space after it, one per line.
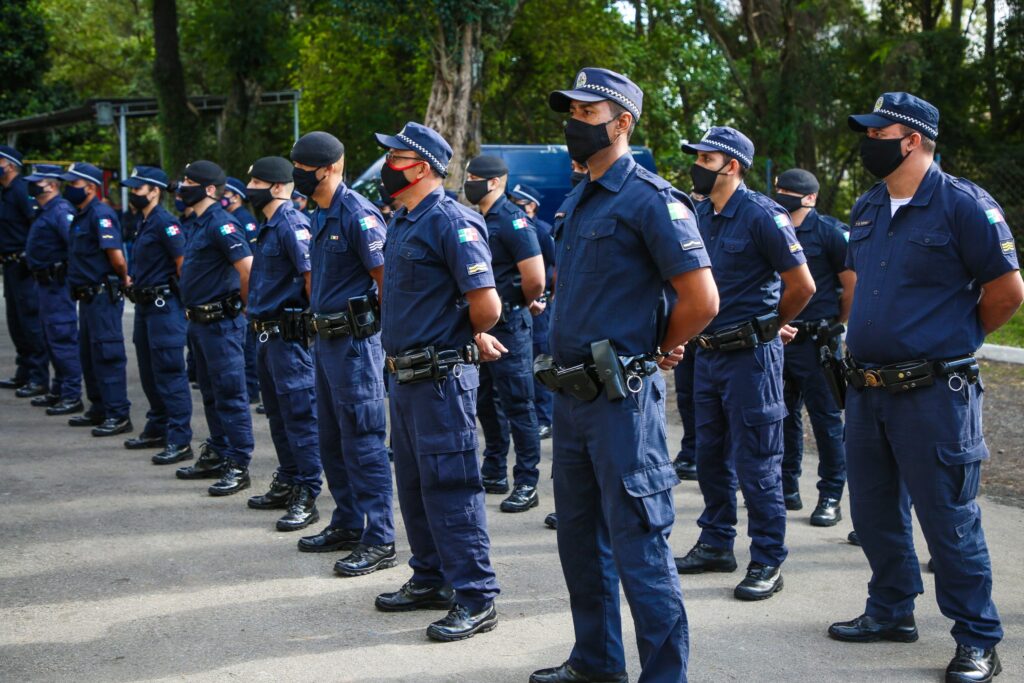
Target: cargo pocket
(452,470)
(111,351)
(964,460)
(652,486)
(766,421)
(969,538)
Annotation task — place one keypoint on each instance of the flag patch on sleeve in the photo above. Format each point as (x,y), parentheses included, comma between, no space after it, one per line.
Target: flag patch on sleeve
(368,223)
(227,229)
(519,223)
(994,216)
(477,268)
(302,234)
(107,223)
(782,220)
(677,212)
(172,230)
(468,235)
(250,227)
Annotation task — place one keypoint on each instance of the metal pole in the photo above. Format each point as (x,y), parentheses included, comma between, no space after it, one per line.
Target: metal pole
(295,117)
(123,135)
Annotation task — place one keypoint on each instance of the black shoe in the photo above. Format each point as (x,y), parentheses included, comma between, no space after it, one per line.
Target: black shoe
(86,420)
(112,427)
(792,501)
(551,521)
(686,470)
(366,559)
(973,665)
(145,441)
(173,453)
(66,407)
(827,512)
(460,624)
(865,629)
(29,390)
(261,409)
(931,566)
(567,674)
(45,401)
(705,558)
(276,497)
(496,485)
(412,597)
(301,511)
(330,540)
(544,432)
(522,499)
(12,383)
(233,478)
(210,465)
(761,582)
(853,539)
(194,385)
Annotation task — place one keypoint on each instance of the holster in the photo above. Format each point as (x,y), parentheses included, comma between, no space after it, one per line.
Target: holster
(835,374)
(115,291)
(767,326)
(364,315)
(609,369)
(293,325)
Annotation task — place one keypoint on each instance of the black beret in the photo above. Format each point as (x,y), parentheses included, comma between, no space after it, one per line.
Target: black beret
(205,173)
(797,180)
(317,149)
(272,170)
(487,166)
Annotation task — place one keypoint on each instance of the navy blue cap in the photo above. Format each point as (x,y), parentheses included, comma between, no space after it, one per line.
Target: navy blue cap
(83,171)
(594,85)
(727,140)
(238,187)
(526,193)
(296,194)
(45,172)
(899,107)
(317,148)
(427,142)
(487,166)
(797,180)
(11,154)
(146,175)
(205,173)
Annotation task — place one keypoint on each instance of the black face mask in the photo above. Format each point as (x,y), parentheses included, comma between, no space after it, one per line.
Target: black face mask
(393,178)
(138,201)
(34,189)
(881,156)
(306,182)
(789,202)
(192,194)
(75,195)
(577,177)
(259,198)
(704,178)
(476,190)
(585,140)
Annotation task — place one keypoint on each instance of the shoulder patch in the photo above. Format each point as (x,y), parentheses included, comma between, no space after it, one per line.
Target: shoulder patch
(302,234)
(782,220)
(368,223)
(227,229)
(519,223)
(71,217)
(106,223)
(687,245)
(468,235)
(677,211)
(994,216)
(795,247)
(477,268)
(376,245)
(250,227)
(1006,246)
(172,230)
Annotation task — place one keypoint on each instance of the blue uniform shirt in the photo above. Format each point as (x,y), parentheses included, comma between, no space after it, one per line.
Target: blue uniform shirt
(215,242)
(348,242)
(48,237)
(618,240)
(435,254)
(159,241)
(920,272)
(280,258)
(824,241)
(16,214)
(512,238)
(751,241)
(248,222)
(94,230)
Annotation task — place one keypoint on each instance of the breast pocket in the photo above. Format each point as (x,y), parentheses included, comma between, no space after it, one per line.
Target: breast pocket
(596,244)
(271,257)
(736,251)
(858,243)
(412,267)
(928,256)
(335,252)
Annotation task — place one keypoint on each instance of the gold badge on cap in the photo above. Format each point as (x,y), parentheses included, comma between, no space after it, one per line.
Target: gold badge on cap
(879,103)
(581,80)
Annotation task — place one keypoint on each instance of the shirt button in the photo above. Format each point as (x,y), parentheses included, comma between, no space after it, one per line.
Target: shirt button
(869,322)
(875,292)
(890,233)
(882,264)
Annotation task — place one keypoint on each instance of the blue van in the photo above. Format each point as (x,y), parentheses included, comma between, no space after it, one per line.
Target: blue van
(545,167)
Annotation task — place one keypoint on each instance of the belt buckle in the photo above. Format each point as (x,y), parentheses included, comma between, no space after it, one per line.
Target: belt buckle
(872,378)
(389,363)
(704,342)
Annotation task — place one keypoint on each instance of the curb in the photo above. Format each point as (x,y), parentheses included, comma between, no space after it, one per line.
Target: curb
(1003,354)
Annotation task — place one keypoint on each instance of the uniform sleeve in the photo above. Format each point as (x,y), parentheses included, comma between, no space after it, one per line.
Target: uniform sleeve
(172,237)
(231,241)
(669,228)
(295,239)
(522,236)
(986,243)
(836,246)
(62,225)
(108,232)
(365,229)
(855,213)
(775,238)
(468,256)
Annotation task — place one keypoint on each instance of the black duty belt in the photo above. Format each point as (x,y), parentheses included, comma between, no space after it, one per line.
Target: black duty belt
(916,374)
(55,272)
(156,295)
(616,374)
(330,325)
(420,365)
(815,330)
(215,311)
(86,293)
(760,330)
(290,326)
(361,320)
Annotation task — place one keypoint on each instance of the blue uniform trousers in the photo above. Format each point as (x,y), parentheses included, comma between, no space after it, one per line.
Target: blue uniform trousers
(613,493)
(505,403)
(352,427)
(804,383)
(739,411)
(252,373)
(543,398)
(59,318)
(104,362)
(286,380)
(441,494)
(926,443)
(684,404)
(159,337)
(220,369)
(21,295)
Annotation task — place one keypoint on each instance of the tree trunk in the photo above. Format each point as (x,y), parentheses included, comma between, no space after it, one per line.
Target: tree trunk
(178,120)
(956,12)
(992,86)
(233,139)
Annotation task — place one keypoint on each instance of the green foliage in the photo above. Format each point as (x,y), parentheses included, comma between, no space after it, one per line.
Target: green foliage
(23,55)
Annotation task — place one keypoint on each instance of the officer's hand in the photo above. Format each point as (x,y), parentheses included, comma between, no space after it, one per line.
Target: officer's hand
(490,347)
(672,359)
(537,307)
(787,333)
(127,280)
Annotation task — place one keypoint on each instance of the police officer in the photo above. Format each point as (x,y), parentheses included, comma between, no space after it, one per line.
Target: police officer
(819,327)
(16,214)
(685,462)
(46,254)
(160,326)
(527,198)
(97,276)
(348,269)
(738,401)
(214,289)
(621,234)
(936,271)
(438,293)
(279,287)
(233,200)
(301,203)
(505,400)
